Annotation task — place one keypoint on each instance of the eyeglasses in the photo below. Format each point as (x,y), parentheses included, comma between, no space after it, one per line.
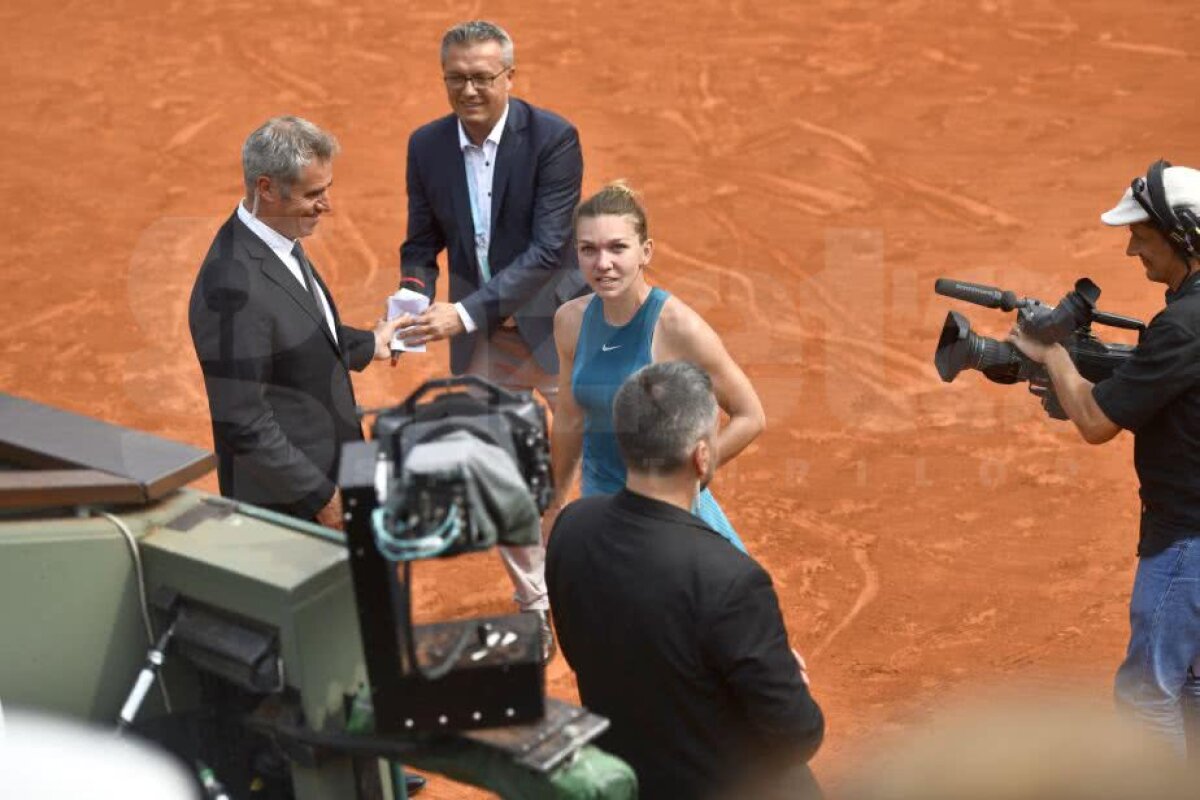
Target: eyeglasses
(458,82)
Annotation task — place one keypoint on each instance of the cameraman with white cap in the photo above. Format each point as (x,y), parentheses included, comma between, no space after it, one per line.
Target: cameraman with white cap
(1155,394)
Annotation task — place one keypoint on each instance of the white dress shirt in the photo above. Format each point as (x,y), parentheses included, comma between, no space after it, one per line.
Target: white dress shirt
(282,246)
(480,162)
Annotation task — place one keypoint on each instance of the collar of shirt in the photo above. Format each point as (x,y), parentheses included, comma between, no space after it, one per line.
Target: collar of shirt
(271,237)
(464,141)
(662,511)
(282,247)
(1186,287)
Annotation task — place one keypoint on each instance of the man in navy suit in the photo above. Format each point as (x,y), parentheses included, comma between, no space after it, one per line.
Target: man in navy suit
(495,185)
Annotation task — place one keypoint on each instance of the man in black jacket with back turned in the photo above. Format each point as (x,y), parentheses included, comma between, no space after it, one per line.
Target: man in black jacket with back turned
(675,635)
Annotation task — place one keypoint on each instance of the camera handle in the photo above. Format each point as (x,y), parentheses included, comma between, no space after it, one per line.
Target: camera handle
(1050,402)
(495,393)
(1118,321)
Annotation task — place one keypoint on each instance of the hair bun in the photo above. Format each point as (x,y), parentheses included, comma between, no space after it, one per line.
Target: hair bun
(616,198)
(622,187)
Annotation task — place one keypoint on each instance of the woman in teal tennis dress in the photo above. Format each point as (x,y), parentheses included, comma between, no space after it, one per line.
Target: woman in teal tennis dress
(626,324)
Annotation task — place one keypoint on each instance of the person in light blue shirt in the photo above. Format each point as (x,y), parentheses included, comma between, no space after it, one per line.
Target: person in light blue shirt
(626,324)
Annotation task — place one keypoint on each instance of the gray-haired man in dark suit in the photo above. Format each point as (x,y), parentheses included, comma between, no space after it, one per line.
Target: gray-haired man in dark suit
(275,355)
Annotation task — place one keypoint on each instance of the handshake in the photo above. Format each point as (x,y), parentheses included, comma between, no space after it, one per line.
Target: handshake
(412,321)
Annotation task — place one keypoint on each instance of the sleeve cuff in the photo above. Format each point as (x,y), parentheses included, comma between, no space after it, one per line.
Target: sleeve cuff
(1106,400)
(467,322)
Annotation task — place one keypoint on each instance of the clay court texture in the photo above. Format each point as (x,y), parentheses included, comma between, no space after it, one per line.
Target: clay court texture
(809,168)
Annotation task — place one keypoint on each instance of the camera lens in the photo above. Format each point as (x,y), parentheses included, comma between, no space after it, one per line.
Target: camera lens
(960,348)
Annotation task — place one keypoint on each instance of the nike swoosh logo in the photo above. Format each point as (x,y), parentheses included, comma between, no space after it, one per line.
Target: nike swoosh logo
(606,348)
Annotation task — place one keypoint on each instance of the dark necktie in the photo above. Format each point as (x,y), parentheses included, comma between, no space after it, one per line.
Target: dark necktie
(309,279)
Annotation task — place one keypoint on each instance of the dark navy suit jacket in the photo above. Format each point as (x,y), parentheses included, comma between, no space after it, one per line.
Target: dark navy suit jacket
(535,189)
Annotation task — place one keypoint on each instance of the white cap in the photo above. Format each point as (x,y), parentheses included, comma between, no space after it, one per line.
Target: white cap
(1182,185)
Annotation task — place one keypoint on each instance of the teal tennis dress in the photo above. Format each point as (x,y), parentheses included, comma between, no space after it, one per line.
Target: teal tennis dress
(605,356)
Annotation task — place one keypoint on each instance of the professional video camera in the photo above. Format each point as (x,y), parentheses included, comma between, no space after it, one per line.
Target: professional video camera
(446,474)
(1069,323)
(251,618)
(459,472)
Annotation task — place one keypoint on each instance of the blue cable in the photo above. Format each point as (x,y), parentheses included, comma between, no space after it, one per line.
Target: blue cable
(429,546)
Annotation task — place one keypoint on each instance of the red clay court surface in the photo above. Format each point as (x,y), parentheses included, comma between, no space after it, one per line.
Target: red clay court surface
(809,168)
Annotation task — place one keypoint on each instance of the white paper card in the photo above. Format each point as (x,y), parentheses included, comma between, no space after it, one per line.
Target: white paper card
(406,301)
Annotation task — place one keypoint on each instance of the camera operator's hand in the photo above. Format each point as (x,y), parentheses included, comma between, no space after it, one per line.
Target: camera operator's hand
(1031,347)
(331,515)
(1071,392)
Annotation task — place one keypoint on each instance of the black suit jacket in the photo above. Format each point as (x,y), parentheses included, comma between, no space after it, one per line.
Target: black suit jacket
(278,385)
(535,189)
(677,638)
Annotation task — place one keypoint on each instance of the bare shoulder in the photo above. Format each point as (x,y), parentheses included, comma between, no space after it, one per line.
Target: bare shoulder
(682,332)
(568,319)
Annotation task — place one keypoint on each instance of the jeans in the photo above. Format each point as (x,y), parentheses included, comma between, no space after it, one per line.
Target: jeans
(1157,683)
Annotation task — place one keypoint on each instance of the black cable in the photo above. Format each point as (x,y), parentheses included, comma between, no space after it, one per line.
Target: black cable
(447,664)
